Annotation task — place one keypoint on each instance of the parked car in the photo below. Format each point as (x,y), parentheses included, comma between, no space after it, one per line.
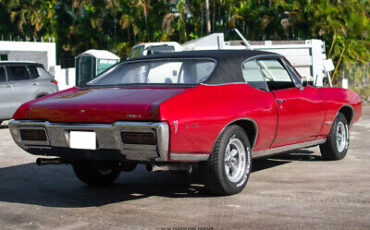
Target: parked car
(218,109)
(21,82)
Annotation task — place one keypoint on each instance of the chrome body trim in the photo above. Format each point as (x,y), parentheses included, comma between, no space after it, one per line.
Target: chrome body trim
(189,157)
(285,148)
(108,137)
(229,83)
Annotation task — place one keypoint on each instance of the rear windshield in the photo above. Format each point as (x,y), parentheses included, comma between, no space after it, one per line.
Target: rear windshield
(181,71)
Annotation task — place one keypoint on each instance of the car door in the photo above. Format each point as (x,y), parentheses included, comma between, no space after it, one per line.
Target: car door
(6,92)
(301,110)
(24,88)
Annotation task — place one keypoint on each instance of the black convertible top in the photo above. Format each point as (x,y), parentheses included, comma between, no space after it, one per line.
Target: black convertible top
(228,69)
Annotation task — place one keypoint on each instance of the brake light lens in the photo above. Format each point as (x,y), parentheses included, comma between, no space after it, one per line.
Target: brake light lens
(33,135)
(139,138)
(54,82)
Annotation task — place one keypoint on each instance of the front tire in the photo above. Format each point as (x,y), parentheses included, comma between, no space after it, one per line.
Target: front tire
(336,146)
(227,170)
(96,173)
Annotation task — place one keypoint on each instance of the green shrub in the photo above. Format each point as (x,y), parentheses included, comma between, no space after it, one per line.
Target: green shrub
(363,91)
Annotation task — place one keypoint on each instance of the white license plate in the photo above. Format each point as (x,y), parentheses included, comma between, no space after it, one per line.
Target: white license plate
(82,140)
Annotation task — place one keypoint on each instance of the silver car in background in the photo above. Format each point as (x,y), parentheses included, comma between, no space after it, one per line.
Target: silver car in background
(21,82)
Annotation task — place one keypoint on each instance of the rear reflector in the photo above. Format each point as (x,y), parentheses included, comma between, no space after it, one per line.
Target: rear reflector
(139,138)
(33,135)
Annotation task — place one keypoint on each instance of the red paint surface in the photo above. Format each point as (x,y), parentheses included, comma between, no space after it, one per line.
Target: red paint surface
(104,105)
(301,115)
(202,112)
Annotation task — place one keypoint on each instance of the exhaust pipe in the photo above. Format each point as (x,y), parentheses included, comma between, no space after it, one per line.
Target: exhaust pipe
(48,161)
(169,167)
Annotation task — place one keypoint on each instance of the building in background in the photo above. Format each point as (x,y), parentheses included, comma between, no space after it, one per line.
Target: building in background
(40,52)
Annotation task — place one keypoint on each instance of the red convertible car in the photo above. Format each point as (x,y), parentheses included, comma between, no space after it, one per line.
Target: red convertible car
(218,109)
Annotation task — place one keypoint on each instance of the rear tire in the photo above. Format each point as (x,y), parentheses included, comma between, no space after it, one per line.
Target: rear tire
(227,170)
(337,143)
(129,166)
(96,172)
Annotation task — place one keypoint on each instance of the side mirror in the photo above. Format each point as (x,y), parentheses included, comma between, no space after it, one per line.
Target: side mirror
(304,81)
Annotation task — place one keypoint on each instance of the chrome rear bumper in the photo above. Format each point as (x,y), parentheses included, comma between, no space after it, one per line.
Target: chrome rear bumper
(108,137)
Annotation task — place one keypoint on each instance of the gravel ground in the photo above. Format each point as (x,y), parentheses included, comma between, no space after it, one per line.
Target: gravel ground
(295,190)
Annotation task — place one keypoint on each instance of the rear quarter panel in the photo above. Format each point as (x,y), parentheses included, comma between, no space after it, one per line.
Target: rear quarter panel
(45,87)
(335,99)
(197,116)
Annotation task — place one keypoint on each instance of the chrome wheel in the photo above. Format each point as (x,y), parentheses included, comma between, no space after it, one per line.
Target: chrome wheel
(227,170)
(341,136)
(235,159)
(337,143)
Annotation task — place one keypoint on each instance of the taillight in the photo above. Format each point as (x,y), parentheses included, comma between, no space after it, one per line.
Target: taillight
(139,138)
(33,135)
(54,82)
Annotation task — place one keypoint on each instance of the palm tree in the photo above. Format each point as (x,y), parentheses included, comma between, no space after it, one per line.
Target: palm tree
(208,22)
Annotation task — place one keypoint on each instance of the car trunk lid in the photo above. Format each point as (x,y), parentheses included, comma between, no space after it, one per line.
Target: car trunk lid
(102,105)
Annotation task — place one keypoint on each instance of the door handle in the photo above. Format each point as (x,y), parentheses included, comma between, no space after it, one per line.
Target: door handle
(280,100)
(35,83)
(8,86)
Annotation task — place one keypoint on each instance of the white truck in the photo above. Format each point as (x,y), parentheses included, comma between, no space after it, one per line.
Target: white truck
(307,56)
(149,48)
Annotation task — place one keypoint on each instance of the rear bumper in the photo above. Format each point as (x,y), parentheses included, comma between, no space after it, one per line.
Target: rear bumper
(108,137)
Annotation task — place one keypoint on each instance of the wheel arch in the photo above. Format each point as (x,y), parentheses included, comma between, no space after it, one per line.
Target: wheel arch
(347,111)
(249,126)
(41,95)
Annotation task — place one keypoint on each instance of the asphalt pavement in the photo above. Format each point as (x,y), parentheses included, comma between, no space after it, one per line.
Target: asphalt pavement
(294,190)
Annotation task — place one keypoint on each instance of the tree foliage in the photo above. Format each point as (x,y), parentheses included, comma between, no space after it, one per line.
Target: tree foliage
(116,25)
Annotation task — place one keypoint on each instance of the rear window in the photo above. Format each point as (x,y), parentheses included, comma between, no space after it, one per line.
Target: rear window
(43,73)
(33,72)
(18,73)
(181,71)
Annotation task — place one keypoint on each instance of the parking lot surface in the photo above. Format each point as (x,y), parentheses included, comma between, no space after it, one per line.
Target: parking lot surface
(295,190)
